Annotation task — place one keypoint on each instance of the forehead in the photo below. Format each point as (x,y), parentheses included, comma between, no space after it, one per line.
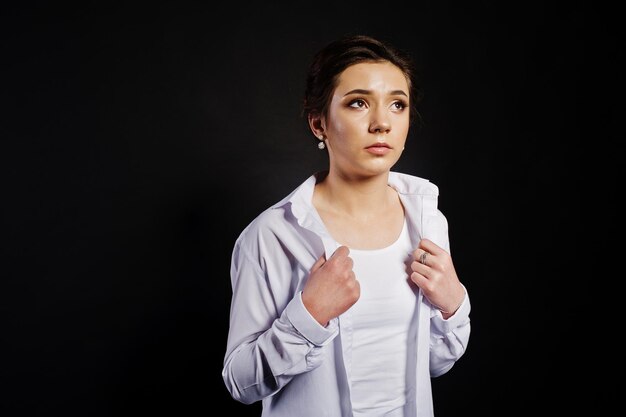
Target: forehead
(372,76)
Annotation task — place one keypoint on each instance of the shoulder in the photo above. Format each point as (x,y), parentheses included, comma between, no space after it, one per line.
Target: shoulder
(268,222)
(260,238)
(281,215)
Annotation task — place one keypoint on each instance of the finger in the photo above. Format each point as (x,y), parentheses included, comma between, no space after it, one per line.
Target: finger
(419,280)
(424,271)
(341,251)
(341,257)
(431,247)
(422,257)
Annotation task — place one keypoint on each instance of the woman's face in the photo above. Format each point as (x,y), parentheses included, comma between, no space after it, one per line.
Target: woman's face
(368,119)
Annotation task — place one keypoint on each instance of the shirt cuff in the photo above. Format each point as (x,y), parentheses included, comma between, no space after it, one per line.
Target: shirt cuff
(457,319)
(307,326)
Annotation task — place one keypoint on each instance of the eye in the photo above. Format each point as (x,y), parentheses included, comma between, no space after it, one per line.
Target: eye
(357,103)
(399,105)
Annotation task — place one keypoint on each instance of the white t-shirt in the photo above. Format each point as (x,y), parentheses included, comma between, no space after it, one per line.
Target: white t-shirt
(384,329)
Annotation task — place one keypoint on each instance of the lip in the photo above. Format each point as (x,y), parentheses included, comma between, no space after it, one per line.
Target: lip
(379,148)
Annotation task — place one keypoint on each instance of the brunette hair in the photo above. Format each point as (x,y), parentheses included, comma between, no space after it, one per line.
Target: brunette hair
(329,62)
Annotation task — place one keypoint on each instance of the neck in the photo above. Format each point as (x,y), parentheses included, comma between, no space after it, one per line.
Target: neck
(356,197)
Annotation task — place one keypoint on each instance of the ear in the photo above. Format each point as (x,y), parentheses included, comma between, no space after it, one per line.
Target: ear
(316,123)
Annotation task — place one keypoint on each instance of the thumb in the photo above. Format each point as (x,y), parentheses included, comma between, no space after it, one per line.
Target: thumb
(318,264)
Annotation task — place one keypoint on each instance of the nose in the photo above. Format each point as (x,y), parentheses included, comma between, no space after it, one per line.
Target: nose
(380,122)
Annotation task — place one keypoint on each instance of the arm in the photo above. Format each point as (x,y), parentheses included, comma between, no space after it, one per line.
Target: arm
(434,272)
(268,345)
(447,298)
(448,337)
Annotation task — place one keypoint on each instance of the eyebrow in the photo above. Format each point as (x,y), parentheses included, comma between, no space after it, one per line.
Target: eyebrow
(367,92)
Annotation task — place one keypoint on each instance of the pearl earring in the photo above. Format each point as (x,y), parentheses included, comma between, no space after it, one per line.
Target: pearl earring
(321,144)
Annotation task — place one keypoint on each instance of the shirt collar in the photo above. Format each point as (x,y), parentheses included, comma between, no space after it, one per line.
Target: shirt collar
(301,198)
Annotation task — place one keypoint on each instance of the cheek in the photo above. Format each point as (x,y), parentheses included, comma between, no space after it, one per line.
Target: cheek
(344,126)
(403,128)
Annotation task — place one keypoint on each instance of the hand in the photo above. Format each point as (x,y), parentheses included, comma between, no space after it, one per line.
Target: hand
(437,277)
(332,287)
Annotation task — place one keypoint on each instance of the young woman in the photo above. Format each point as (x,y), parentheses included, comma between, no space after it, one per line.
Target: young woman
(345,297)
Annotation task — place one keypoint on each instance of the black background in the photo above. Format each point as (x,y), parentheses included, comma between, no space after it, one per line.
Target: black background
(138,141)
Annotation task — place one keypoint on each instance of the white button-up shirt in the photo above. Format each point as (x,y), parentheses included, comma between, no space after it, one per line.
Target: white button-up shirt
(278,353)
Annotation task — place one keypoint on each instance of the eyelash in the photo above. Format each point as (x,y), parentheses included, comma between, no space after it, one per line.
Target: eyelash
(361,101)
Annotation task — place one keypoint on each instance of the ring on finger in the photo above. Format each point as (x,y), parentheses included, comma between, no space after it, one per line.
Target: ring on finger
(423,258)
